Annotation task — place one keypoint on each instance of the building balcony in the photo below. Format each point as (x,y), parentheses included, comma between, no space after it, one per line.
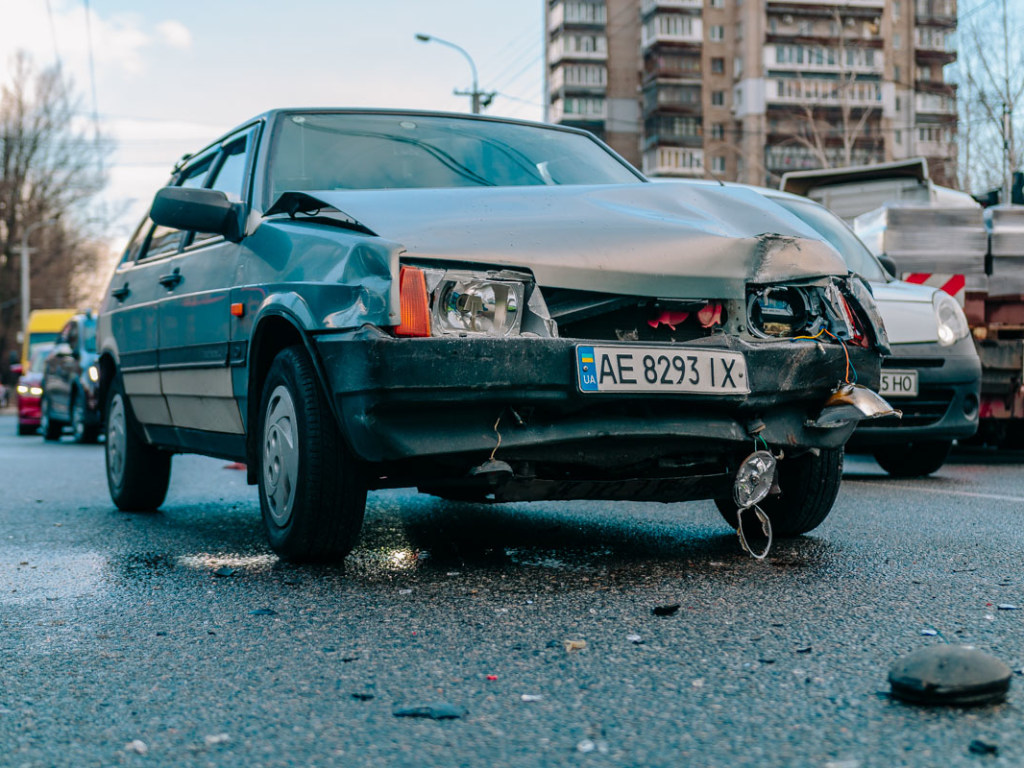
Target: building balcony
(942,149)
(578,111)
(937,13)
(674,161)
(934,104)
(819,59)
(569,47)
(823,93)
(577,14)
(648,7)
(803,6)
(578,78)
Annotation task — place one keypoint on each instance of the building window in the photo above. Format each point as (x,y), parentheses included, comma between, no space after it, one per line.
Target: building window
(718,164)
(717,3)
(716,33)
(896,9)
(585,13)
(718,65)
(896,72)
(897,41)
(718,131)
(737,66)
(898,136)
(718,98)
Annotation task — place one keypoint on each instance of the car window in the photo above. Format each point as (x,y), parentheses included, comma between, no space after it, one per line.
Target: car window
(367,151)
(163,240)
(228,177)
(70,334)
(835,231)
(37,362)
(89,337)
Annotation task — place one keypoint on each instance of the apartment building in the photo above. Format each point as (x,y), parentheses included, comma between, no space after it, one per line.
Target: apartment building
(750,89)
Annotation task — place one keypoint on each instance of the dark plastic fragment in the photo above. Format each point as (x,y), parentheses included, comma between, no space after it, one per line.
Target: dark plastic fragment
(440,710)
(665,610)
(951,675)
(979,747)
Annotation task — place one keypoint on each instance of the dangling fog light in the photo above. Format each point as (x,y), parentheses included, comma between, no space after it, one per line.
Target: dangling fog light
(753,479)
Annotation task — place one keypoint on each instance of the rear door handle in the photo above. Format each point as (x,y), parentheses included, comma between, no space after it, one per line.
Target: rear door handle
(121,293)
(172,280)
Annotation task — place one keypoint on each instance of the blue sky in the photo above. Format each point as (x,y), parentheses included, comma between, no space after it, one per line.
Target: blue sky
(171,75)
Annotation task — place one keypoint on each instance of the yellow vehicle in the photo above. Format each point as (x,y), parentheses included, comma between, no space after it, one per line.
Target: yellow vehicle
(44,326)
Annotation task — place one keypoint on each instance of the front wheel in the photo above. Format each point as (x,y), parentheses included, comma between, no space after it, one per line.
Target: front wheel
(83,431)
(50,428)
(137,473)
(809,485)
(311,495)
(915,459)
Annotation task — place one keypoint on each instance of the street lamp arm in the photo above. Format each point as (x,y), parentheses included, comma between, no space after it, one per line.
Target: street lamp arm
(472,66)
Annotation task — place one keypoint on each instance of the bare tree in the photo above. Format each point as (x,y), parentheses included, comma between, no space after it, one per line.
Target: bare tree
(817,128)
(991,74)
(50,168)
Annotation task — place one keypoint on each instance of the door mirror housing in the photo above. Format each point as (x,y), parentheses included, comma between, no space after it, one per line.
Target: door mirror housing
(199,210)
(888,264)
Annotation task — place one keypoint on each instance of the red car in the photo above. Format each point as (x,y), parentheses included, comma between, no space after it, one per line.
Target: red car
(30,391)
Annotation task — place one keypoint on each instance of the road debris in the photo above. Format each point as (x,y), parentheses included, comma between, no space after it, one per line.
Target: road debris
(441,710)
(137,746)
(1006,607)
(531,697)
(979,747)
(635,639)
(216,738)
(949,675)
(362,696)
(263,612)
(929,632)
(665,610)
(224,571)
(575,645)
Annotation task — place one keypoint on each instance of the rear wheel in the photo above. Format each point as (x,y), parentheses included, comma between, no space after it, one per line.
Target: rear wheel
(915,459)
(51,429)
(809,485)
(137,473)
(27,429)
(311,495)
(80,428)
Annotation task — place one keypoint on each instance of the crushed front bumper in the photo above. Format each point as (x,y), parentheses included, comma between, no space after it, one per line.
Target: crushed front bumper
(451,400)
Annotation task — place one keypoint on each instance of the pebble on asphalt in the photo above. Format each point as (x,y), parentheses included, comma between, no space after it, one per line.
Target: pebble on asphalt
(951,675)
(137,746)
(440,710)
(575,645)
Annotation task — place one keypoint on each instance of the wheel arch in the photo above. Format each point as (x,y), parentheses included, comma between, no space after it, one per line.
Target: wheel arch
(274,332)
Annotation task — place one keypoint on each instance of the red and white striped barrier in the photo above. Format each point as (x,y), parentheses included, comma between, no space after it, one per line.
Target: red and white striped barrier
(954,285)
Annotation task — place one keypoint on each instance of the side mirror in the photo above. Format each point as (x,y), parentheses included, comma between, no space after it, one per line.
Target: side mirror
(16,369)
(889,265)
(200,210)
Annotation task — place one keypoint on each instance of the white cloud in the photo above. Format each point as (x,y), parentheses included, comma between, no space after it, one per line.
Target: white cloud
(175,34)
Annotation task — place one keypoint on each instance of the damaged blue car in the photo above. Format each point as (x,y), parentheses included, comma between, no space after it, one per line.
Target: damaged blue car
(483,309)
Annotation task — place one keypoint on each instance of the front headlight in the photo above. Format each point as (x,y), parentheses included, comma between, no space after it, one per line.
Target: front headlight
(35,391)
(472,303)
(94,374)
(777,312)
(22,389)
(950,321)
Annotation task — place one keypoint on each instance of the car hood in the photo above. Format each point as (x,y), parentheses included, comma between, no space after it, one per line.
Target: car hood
(637,239)
(907,311)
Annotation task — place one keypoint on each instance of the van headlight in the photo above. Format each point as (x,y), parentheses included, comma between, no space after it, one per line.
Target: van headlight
(950,321)
(472,303)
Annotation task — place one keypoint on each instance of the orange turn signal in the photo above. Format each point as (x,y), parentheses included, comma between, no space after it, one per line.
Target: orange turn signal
(412,289)
(237,310)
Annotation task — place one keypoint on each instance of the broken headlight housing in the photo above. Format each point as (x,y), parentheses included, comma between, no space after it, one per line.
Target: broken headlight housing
(778,311)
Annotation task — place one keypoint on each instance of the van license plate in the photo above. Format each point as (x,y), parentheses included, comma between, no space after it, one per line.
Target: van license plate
(897,383)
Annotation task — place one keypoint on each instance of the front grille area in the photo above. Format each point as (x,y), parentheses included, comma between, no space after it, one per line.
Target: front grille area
(927,408)
(608,317)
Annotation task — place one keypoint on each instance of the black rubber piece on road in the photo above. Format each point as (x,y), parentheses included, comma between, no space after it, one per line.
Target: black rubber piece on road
(330,496)
(809,485)
(953,675)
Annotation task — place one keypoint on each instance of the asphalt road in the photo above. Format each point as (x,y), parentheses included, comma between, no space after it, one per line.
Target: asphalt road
(119,645)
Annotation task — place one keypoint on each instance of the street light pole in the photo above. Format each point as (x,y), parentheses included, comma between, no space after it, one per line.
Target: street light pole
(474,94)
(26,268)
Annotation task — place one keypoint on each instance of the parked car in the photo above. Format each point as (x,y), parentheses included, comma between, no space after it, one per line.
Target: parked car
(71,383)
(480,308)
(30,390)
(933,374)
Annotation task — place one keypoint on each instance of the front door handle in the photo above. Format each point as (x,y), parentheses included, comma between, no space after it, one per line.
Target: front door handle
(121,293)
(172,280)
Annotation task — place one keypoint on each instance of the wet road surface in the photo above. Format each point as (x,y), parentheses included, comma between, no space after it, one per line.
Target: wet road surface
(120,646)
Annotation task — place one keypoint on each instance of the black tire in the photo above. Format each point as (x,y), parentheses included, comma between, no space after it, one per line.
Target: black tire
(50,428)
(915,459)
(809,485)
(26,429)
(137,473)
(311,494)
(82,431)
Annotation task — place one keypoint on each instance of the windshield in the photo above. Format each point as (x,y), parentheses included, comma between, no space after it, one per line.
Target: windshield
(89,337)
(858,258)
(39,354)
(383,151)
